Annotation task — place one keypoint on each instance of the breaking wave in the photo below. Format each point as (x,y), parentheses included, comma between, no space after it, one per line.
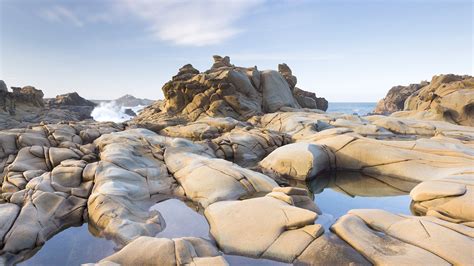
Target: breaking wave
(111,111)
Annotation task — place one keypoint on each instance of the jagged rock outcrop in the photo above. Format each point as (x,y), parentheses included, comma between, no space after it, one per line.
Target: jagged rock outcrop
(25,107)
(74,103)
(395,99)
(226,90)
(447,97)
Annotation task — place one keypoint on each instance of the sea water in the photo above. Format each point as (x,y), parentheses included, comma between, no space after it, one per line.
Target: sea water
(359,108)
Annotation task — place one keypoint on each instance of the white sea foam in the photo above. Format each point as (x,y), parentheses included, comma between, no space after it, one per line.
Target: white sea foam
(111,111)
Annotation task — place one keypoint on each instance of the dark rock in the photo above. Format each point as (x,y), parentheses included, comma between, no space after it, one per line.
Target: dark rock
(130,112)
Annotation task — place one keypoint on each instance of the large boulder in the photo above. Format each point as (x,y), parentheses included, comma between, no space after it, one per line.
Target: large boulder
(386,238)
(300,161)
(271,227)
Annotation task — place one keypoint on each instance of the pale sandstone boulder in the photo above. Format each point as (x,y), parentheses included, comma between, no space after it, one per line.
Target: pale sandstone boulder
(453,245)
(276,92)
(204,128)
(450,96)
(131,170)
(418,160)
(206,179)
(328,249)
(450,198)
(247,146)
(266,227)
(163,251)
(8,215)
(300,161)
(381,249)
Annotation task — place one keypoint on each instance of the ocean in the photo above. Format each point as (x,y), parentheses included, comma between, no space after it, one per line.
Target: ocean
(351,108)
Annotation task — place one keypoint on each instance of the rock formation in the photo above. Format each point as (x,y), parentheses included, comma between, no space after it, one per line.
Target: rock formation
(131,101)
(395,99)
(236,146)
(25,107)
(447,97)
(228,91)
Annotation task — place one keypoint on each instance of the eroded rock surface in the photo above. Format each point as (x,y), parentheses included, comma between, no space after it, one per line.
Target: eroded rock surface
(225,91)
(390,239)
(283,229)
(162,251)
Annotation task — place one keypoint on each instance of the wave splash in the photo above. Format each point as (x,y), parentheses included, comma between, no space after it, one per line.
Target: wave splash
(113,112)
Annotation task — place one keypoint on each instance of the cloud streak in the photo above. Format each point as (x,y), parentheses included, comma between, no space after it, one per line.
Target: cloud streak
(190,22)
(61,14)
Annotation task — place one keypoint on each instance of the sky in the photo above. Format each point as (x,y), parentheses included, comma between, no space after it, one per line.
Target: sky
(345,51)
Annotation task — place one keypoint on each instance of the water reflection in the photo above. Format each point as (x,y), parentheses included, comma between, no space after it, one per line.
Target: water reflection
(338,192)
(73,246)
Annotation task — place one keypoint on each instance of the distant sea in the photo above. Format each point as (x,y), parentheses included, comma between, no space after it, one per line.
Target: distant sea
(351,108)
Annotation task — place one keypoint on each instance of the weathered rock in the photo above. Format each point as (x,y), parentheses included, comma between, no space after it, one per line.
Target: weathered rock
(206,179)
(381,249)
(267,227)
(330,250)
(447,97)
(450,198)
(395,99)
(406,239)
(223,91)
(246,147)
(286,72)
(163,251)
(8,214)
(131,170)
(299,161)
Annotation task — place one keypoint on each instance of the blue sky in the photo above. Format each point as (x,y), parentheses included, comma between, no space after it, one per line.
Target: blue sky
(342,50)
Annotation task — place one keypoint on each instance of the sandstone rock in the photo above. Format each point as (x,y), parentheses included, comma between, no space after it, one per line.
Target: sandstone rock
(224,90)
(432,235)
(267,227)
(276,92)
(163,251)
(246,147)
(300,161)
(450,198)
(8,215)
(206,179)
(330,250)
(447,97)
(131,170)
(395,99)
(381,249)
(286,72)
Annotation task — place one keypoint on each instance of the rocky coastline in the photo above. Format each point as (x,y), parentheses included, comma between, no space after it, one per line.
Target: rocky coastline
(241,145)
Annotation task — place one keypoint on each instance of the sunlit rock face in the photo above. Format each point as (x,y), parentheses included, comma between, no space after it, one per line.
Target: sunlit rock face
(226,90)
(447,98)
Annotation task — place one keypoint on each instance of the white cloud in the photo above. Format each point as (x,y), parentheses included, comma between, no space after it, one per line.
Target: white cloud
(191,22)
(61,14)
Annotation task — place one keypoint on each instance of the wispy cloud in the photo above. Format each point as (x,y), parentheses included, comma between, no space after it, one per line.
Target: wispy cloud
(191,22)
(61,14)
